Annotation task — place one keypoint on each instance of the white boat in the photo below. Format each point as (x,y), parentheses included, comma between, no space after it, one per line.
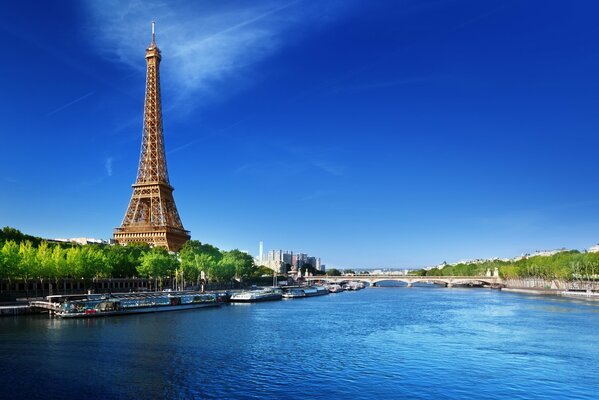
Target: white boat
(253,296)
(305,291)
(88,306)
(315,290)
(335,288)
(354,286)
(293,293)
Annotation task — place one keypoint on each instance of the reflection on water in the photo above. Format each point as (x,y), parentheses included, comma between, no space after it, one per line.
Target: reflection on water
(425,343)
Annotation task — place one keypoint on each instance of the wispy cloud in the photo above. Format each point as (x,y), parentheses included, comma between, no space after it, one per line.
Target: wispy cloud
(205,41)
(316,195)
(205,137)
(330,167)
(270,169)
(64,106)
(108,166)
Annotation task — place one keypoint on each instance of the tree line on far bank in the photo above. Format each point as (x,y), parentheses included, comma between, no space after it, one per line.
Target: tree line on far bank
(565,265)
(27,258)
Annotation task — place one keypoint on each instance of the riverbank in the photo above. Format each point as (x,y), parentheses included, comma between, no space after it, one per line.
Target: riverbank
(546,292)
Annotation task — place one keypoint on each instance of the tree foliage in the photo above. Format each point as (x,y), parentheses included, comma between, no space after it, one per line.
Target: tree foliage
(27,257)
(157,263)
(565,265)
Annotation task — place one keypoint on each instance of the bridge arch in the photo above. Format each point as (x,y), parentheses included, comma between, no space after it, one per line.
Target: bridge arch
(409,280)
(374,282)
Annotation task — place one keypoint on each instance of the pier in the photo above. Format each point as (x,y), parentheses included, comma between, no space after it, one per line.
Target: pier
(15,310)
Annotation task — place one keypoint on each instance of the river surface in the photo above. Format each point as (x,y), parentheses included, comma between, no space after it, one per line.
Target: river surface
(391,343)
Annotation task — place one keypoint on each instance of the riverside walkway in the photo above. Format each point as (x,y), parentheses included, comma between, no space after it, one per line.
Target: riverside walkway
(448,281)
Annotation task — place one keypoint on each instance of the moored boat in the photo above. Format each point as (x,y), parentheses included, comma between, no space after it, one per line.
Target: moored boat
(353,285)
(136,303)
(293,293)
(253,296)
(315,291)
(335,288)
(304,291)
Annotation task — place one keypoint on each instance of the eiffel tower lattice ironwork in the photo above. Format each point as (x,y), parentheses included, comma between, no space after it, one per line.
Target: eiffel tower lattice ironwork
(152,215)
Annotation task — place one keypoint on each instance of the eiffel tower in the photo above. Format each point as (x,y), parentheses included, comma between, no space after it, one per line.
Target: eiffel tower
(152,215)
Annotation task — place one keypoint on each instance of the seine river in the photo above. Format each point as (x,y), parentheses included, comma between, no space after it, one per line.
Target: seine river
(419,343)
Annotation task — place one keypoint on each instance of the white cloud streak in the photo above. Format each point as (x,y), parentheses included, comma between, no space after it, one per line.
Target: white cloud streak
(205,42)
(67,105)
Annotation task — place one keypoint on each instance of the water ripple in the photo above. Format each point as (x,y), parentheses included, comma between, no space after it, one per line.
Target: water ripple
(419,343)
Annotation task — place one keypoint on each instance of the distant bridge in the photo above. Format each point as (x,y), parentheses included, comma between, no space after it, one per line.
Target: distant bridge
(448,281)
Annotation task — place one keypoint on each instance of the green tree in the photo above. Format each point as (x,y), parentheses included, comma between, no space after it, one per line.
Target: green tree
(333,272)
(242,263)
(261,271)
(44,264)
(205,263)
(197,258)
(308,269)
(188,256)
(124,260)
(157,263)
(60,268)
(28,263)
(8,233)
(10,260)
(223,271)
(87,262)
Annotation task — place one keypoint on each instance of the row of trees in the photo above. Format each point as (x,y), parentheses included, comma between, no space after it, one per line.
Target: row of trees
(204,261)
(565,265)
(24,259)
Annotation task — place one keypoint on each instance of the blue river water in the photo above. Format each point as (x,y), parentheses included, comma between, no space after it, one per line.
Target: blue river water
(389,343)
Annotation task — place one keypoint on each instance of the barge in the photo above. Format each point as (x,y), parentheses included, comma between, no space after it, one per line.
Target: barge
(88,306)
(304,291)
(253,296)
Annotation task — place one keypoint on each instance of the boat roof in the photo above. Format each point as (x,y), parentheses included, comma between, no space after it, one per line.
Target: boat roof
(118,296)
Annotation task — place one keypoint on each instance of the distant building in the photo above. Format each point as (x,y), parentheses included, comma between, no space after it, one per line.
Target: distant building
(280,260)
(318,265)
(537,253)
(594,249)
(544,253)
(82,240)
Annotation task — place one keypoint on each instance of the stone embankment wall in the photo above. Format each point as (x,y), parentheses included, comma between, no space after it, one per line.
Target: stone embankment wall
(538,283)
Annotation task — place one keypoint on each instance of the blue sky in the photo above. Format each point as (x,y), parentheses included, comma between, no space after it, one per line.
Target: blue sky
(369,133)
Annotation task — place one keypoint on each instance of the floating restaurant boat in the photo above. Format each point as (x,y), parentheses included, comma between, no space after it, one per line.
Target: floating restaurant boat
(315,291)
(335,288)
(293,293)
(253,296)
(306,291)
(354,285)
(87,306)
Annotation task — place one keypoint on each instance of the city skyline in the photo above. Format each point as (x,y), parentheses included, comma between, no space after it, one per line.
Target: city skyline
(369,134)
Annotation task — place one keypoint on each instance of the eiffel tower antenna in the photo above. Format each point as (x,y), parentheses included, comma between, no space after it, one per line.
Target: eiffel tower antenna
(153,34)
(152,215)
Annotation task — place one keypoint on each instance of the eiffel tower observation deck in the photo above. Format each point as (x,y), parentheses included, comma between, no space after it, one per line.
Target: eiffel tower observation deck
(152,215)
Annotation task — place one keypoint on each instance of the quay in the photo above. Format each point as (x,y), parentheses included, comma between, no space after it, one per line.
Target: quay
(20,309)
(33,307)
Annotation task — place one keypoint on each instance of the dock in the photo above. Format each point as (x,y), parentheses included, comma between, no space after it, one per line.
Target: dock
(15,310)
